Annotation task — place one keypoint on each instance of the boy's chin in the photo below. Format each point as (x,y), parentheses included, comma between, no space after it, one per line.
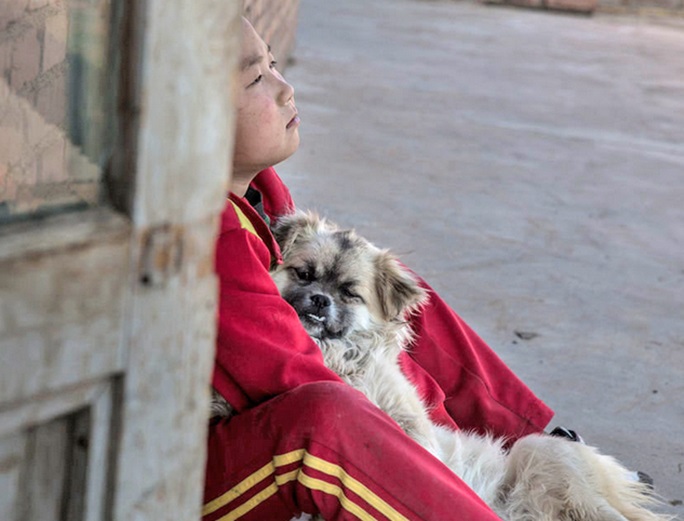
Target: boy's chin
(295,141)
(287,152)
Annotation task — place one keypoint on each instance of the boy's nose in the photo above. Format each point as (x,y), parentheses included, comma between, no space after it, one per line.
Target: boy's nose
(286,92)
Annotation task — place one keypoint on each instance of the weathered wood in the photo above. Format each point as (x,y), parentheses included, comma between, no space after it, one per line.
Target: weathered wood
(76,455)
(66,232)
(186,119)
(44,473)
(104,379)
(161,459)
(183,150)
(41,408)
(12,455)
(101,444)
(73,424)
(62,304)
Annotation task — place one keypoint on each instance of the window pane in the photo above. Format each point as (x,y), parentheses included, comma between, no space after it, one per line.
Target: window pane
(56,96)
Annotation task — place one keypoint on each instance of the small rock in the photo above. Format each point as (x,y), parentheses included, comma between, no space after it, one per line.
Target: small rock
(526,335)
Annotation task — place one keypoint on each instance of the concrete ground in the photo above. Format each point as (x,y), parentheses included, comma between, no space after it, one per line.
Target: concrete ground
(530,165)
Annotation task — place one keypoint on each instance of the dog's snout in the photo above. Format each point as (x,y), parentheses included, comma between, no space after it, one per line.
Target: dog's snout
(321,301)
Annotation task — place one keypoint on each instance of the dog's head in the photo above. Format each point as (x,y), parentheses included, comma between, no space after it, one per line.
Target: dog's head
(337,281)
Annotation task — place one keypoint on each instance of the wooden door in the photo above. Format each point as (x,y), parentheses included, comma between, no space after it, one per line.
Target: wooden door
(115,136)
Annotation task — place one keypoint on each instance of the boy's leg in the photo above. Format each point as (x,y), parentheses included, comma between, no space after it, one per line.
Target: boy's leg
(324,448)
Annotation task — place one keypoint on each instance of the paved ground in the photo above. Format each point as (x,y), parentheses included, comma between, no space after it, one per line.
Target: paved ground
(531,166)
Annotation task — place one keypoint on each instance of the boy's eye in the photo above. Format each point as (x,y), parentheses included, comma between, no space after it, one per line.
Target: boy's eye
(261,76)
(257,80)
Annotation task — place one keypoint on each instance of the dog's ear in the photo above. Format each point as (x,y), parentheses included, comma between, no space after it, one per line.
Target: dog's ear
(397,288)
(291,227)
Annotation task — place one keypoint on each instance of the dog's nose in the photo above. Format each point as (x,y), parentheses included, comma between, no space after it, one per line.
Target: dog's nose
(320,301)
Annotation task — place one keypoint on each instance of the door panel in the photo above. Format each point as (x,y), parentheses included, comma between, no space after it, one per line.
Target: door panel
(12,457)
(53,300)
(54,457)
(107,317)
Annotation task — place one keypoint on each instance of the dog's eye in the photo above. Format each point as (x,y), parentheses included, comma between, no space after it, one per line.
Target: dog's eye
(304,274)
(348,293)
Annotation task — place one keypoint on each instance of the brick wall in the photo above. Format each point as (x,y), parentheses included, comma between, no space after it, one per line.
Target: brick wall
(276,23)
(665,7)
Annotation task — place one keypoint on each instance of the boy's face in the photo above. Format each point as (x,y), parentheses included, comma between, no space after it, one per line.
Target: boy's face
(267,123)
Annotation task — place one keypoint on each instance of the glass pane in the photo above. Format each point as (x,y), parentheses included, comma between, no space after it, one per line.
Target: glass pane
(56,98)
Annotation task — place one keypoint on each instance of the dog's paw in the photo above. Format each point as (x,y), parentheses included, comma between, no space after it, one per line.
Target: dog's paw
(307,517)
(219,407)
(569,434)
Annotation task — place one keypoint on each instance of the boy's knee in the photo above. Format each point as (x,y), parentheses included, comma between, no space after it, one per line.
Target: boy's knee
(327,404)
(326,396)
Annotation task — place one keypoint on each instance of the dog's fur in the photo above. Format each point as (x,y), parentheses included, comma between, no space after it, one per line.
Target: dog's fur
(354,299)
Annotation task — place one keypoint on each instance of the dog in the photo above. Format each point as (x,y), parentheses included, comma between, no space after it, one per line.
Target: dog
(354,300)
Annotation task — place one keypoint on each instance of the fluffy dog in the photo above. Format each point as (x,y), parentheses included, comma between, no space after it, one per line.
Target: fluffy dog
(354,298)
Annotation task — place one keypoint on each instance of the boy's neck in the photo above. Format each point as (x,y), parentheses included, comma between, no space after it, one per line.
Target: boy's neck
(240,182)
(239,188)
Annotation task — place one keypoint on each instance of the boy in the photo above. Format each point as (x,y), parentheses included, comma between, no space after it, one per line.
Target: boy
(302,441)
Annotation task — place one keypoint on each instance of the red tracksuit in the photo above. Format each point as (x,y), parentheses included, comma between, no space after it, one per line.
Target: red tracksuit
(304,441)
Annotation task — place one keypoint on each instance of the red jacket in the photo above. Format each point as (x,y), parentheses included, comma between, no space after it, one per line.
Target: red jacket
(263,350)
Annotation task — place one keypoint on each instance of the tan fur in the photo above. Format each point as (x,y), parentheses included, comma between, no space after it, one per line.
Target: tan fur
(542,478)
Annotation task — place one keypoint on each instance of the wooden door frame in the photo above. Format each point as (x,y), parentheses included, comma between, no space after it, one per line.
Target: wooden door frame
(182,99)
(153,246)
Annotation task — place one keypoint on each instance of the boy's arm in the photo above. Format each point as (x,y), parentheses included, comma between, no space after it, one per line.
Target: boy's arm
(262,348)
(482,393)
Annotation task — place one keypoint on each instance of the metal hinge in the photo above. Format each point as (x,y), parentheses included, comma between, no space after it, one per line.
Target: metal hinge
(161,255)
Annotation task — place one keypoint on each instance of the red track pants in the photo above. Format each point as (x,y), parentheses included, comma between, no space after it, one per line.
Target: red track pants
(324,448)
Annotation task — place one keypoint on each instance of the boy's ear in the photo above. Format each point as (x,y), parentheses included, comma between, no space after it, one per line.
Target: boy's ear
(397,288)
(289,228)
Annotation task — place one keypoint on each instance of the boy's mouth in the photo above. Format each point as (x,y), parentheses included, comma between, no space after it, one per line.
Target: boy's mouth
(294,121)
